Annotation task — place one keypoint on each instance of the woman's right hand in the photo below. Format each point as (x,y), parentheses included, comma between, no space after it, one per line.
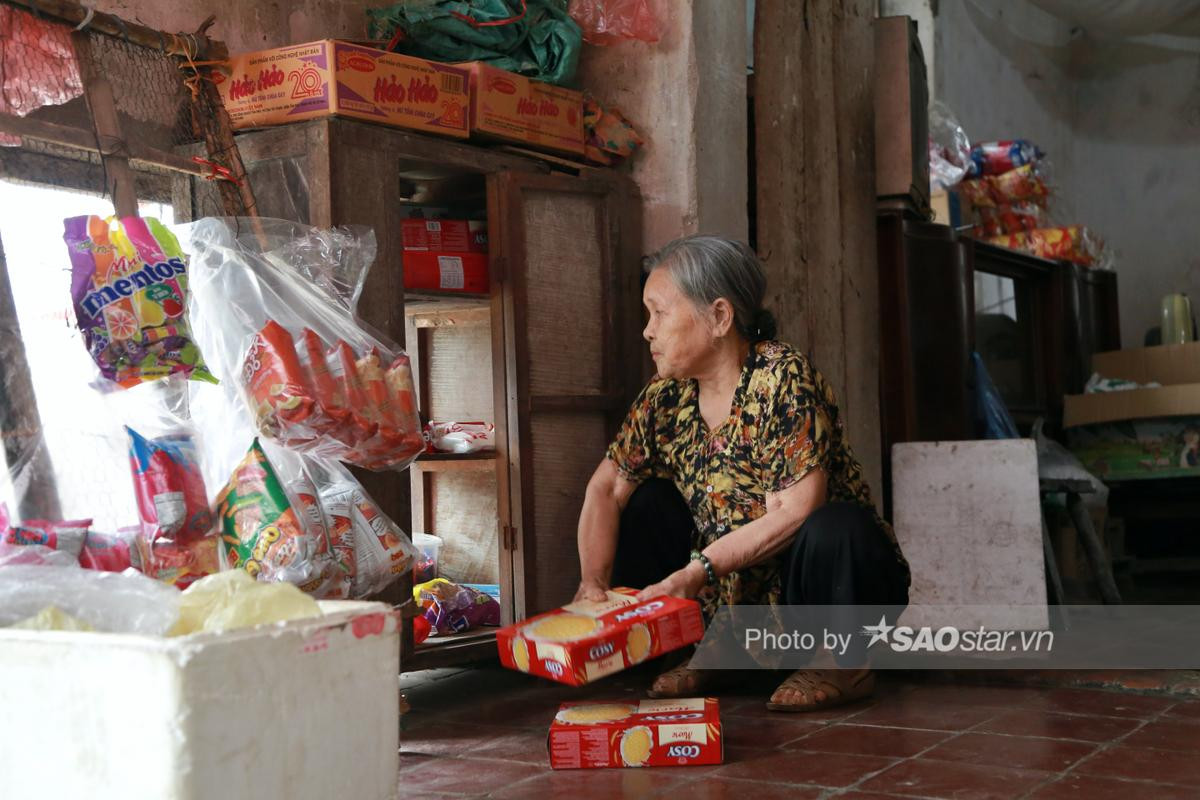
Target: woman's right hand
(591,590)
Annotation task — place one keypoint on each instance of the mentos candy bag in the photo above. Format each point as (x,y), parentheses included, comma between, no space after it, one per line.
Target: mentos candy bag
(264,535)
(170,490)
(996,158)
(129,287)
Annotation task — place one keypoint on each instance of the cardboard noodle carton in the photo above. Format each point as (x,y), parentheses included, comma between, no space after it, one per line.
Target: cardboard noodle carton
(334,78)
(530,113)
(584,641)
(650,733)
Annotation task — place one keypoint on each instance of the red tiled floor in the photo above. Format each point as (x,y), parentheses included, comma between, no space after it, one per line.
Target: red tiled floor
(585,784)
(1188,709)
(450,738)
(461,775)
(756,707)
(857,795)
(716,787)
(527,747)
(772,731)
(869,740)
(1033,722)
(1007,697)
(1164,766)
(1167,734)
(943,779)
(1089,787)
(800,766)
(1094,701)
(903,712)
(1051,755)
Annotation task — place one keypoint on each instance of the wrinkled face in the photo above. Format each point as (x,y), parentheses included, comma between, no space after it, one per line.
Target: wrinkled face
(680,337)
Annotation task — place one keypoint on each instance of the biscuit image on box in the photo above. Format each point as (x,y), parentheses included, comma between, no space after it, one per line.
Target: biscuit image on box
(593,714)
(520,654)
(636,744)
(563,628)
(637,644)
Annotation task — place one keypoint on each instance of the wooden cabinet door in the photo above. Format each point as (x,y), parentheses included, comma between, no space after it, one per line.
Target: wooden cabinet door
(565,265)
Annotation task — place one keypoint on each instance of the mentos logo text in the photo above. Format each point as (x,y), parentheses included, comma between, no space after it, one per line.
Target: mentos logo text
(529,107)
(419,90)
(147,276)
(247,85)
(641,611)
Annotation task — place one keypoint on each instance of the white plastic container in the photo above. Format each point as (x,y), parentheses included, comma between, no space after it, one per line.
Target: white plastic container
(430,546)
(307,710)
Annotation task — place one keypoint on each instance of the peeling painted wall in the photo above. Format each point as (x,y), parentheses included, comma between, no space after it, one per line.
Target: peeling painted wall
(1120,120)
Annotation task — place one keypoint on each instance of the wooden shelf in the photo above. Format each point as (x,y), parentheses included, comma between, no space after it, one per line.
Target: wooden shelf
(433,310)
(482,460)
(452,650)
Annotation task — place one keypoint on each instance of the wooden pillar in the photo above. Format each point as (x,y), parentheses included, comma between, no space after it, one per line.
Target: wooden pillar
(815,196)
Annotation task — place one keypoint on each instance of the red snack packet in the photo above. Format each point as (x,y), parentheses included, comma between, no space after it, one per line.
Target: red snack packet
(68,536)
(180,565)
(312,356)
(280,398)
(111,552)
(400,384)
(348,393)
(379,402)
(170,490)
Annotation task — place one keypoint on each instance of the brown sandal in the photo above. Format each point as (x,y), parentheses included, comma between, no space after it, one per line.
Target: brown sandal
(831,682)
(685,682)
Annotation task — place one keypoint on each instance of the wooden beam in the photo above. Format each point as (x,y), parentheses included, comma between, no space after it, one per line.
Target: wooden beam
(815,199)
(75,14)
(102,104)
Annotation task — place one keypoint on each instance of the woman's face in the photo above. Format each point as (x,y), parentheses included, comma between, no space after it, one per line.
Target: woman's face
(680,338)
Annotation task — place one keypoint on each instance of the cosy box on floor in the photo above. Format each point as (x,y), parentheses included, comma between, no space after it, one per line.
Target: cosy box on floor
(650,733)
(1150,432)
(584,641)
(306,710)
(319,79)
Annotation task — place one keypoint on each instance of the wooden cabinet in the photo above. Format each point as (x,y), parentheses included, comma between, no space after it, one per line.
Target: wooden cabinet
(551,353)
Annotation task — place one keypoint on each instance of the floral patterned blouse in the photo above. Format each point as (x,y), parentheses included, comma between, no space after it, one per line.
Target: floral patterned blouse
(783,423)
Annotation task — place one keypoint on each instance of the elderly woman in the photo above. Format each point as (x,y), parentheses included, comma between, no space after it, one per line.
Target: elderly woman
(731,479)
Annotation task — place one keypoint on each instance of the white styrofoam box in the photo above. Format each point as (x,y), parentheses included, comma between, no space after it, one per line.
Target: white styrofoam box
(304,710)
(969,519)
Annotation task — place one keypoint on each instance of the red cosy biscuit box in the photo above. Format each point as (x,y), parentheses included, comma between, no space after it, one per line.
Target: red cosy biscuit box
(445,254)
(584,641)
(650,733)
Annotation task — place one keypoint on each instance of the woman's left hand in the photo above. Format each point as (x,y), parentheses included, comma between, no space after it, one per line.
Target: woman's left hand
(685,583)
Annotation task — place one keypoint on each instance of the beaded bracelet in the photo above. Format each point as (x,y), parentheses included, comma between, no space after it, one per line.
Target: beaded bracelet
(711,574)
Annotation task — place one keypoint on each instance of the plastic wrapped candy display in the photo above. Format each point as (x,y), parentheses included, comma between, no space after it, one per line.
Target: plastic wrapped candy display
(996,158)
(129,286)
(1069,243)
(451,608)
(277,314)
(169,487)
(1016,218)
(1025,184)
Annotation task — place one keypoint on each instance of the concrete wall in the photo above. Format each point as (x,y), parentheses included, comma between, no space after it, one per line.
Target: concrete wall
(686,94)
(1119,119)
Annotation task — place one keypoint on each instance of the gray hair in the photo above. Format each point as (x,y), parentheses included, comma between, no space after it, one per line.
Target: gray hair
(706,268)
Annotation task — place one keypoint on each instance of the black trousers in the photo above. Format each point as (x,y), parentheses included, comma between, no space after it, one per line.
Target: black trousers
(839,557)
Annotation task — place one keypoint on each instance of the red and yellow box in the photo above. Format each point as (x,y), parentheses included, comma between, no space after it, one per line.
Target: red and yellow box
(330,77)
(445,255)
(650,733)
(584,641)
(514,108)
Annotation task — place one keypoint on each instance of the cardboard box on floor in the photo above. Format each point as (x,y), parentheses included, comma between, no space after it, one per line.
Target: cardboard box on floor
(648,733)
(1140,433)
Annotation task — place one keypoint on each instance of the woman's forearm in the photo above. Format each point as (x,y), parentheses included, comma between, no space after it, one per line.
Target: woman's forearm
(599,523)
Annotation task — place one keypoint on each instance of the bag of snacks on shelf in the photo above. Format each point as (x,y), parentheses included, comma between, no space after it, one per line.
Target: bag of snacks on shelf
(459,437)
(1011,219)
(1025,184)
(1069,243)
(169,487)
(129,284)
(277,313)
(996,158)
(451,608)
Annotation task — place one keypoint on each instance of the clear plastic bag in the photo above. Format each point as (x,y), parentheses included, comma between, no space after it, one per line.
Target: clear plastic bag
(949,148)
(606,22)
(114,602)
(276,312)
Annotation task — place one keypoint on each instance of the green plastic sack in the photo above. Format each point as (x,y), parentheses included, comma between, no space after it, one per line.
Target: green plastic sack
(543,43)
